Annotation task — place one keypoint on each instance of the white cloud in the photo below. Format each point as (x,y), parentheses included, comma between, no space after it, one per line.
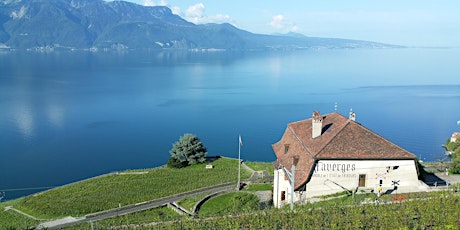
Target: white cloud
(279,22)
(196,14)
(176,10)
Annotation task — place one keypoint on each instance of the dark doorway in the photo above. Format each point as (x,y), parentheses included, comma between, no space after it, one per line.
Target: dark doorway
(362,180)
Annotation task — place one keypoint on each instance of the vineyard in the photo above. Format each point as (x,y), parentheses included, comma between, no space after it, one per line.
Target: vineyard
(436,210)
(14,220)
(160,214)
(433,210)
(114,190)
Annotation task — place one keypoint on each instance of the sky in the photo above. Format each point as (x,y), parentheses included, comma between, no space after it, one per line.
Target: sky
(433,23)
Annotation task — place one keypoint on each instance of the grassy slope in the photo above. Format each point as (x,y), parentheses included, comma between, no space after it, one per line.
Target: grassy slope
(260,187)
(189,203)
(109,191)
(260,166)
(230,203)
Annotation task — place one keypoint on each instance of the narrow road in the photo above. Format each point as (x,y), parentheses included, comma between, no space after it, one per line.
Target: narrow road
(55,224)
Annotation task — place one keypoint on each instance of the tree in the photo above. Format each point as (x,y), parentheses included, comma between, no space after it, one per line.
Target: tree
(189,150)
(455,167)
(451,146)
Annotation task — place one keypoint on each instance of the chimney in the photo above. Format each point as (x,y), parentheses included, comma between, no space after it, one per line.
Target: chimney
(352,115)
(317,125)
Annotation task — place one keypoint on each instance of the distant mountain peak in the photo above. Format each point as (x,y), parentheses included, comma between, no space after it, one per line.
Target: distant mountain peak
(294,34)
(291,34)
(94,24)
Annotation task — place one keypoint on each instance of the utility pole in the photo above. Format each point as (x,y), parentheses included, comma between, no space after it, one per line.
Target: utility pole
(292,186)
(240,143)
(291,176)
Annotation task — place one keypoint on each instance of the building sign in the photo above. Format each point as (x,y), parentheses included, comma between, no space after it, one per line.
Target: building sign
(335,170)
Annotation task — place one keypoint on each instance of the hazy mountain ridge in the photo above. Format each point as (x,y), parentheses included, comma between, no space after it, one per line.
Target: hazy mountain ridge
(84,24)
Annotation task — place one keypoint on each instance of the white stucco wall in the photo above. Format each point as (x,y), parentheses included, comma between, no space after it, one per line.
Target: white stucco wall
(332,176)
(281,184)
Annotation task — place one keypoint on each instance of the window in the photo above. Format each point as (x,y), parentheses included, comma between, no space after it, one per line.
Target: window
(391,168)
(286,148)
(283,195)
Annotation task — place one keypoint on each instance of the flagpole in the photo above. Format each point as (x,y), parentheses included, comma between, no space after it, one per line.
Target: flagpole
(239,163)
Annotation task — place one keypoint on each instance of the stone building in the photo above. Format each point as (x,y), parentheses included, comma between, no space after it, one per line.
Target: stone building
(332,153)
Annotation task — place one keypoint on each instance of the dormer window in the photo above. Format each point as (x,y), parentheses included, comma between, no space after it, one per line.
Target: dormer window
(286,148)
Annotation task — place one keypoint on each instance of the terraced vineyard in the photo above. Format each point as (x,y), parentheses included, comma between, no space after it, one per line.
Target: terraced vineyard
(13,220)
(111,191)
(435,210)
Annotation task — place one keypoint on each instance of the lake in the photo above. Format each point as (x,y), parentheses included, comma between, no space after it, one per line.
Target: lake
(67,116)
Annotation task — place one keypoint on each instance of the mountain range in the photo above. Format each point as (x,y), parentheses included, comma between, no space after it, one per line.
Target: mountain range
(97,24)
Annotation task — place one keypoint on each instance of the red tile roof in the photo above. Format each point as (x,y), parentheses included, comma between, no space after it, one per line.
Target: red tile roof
(455,135)
(341,139)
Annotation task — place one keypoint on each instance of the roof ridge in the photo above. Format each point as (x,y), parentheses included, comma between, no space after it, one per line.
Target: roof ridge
(300,141)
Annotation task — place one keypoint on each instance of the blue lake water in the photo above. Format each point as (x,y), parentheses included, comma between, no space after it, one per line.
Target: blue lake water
(69,116)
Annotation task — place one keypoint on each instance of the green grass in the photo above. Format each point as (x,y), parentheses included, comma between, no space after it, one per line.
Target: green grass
(260,187)
(230,203)
(107,192)
(260,166)
(189,203)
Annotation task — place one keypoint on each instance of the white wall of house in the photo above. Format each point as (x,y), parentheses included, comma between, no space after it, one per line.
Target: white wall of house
(282,189)
(332,176)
